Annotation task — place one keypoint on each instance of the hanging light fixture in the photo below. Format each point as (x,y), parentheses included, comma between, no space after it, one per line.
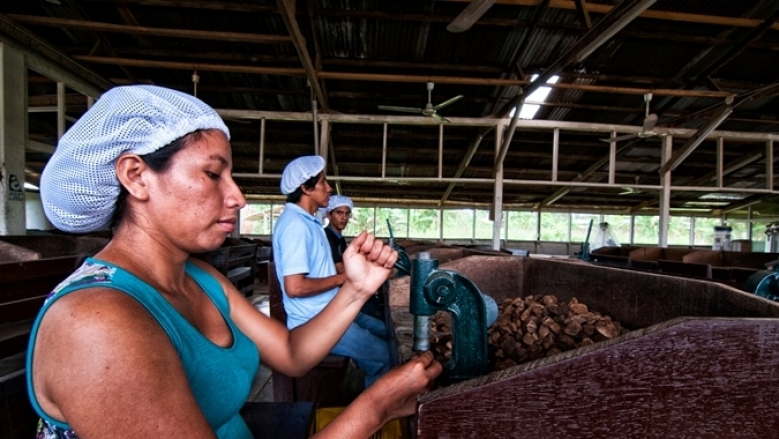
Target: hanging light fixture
(195,80)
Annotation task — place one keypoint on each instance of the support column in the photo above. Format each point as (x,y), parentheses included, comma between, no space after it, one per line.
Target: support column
(13,133)
(665,193)
(497,199)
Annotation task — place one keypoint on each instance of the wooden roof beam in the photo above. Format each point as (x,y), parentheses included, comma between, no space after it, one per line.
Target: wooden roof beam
(100,41)
(561,192)
(520,52)
(143,30)
(737,49)
(693,142)
(596,8)
(584,15)
(393,78)
(197,4)
(224,68)
(617,18)
(654,14)
(751,201)
(287,8)
(731,167)
(466,160)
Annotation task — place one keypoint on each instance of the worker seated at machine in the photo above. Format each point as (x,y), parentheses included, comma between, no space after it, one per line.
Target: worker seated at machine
(338,213)
(306,270)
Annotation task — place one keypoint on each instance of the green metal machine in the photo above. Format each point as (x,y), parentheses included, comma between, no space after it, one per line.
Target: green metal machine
(472,312)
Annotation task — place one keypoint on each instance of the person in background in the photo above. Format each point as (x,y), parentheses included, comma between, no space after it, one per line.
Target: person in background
(339,211)
(144,341)
(306,271)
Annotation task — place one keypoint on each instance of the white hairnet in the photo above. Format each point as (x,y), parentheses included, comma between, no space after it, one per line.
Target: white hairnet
(78,186)
(300,170)
(337,201)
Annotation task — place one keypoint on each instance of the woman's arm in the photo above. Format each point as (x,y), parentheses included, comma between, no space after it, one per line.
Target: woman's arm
(300,285)
(368,262)
(392,396)
(104,365)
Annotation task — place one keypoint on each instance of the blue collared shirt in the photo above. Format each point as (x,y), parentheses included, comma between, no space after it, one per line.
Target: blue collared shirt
(300,246)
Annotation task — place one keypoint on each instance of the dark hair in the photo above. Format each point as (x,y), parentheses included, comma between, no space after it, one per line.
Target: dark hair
(158,161)
(294,197)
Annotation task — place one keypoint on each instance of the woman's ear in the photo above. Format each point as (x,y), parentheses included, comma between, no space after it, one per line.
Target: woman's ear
(130,170)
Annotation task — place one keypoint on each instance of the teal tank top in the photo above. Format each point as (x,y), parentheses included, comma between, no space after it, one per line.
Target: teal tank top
(220,378)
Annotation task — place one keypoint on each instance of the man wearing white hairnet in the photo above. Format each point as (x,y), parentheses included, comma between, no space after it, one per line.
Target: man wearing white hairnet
(339,210)
(306,270)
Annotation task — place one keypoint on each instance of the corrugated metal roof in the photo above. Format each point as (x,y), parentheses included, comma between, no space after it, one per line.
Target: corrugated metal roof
(681,56)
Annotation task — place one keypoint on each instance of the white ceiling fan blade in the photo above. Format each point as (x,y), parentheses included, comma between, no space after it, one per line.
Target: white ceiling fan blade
(469,15)
(441,118)
(620,138)
(403,109)
(650,122)
(449,102)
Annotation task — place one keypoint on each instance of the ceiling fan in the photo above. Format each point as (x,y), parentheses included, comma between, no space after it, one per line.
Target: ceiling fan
(470,15)
(650,120)
(430,110)
(627,190)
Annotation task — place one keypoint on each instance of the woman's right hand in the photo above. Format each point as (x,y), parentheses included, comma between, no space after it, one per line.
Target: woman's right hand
(368,262)
(392,396)
(396,392)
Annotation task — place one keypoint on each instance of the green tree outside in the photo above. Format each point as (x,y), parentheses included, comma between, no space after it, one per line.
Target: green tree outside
(554,226)
(522,225)
(462,224)
(425,224)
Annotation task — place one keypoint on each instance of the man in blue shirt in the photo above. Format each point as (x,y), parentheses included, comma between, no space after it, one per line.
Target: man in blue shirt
(307,272)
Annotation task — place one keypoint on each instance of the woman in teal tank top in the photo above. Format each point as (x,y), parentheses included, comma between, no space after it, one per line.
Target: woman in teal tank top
(142,340)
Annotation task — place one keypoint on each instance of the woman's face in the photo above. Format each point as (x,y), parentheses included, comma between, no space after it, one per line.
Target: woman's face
(195,202)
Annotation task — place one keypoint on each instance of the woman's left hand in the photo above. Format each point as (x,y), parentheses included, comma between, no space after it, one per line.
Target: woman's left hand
(368,262)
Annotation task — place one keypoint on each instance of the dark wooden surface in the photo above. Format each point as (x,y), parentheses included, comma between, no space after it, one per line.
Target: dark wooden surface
(324,384)
(699,361)
(23,288)
(17,418)
(699,378)
(689,269)
(279,420)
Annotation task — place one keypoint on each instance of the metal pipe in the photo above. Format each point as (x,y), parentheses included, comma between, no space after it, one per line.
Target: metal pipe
(262,144)
(555,152)
(384,153)
(440,150)
(60,109)
(769,164)
(720,162)
(490,181)
(612,157)
(583,127)
(317,146)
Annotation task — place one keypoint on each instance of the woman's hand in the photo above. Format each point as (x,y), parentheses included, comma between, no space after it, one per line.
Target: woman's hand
(368,262)
(392,396)
(397,390)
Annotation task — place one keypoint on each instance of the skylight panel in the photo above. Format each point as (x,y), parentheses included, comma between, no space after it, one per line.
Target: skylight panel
(528,111)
